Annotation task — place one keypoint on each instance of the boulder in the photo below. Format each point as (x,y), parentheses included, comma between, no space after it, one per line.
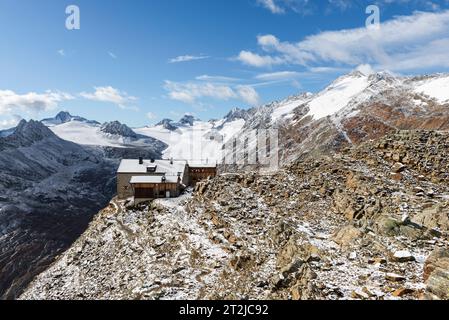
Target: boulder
(402,292)
(402,256)
(346,236)
(436,216)
(436,273)
(394,277)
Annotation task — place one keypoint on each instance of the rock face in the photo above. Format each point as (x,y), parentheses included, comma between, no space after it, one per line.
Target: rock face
(436,274)
(339,227)
(187,120)
(49,191)
(167,124)
(118,129)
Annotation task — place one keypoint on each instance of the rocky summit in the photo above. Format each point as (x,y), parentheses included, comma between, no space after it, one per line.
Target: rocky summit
(368,222)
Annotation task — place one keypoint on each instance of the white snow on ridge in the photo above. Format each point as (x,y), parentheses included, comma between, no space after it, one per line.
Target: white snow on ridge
(286,108)
(87,134)
(337,96)
(437,88)
(202,141)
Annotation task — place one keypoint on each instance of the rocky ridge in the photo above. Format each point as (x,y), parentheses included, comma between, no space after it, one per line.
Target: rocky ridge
(370,222)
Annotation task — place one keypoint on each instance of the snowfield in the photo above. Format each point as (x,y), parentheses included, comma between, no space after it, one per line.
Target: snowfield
(202,141)
(84,134)
(286,107)
(338,95)
(437,88)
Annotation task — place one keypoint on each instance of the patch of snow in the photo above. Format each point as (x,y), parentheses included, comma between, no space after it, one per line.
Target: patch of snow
(286,108)
(201,141)
(437,88)
(90,134)
(337,96)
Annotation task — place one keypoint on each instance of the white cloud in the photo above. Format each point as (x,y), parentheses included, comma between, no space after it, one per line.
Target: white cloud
(11,122)
(112,95)
(366,69)
(306,7)
(112,55)
(404,43)
(191,92)
(256,60)
(281,75)
(271,5)
(303,7)
(11,102)
(61,52)
(188,92)
(249,95)
(187,58)
(327,69)
(151,115)
(206,77)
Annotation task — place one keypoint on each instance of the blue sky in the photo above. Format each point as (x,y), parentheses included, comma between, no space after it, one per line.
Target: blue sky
(143,60)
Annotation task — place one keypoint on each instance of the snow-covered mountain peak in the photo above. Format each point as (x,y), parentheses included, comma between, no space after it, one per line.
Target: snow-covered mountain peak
(64,117)
(32,130)
(435,86)
(167,124)
(118,129)
(26,134)
(187,120)
(236,114)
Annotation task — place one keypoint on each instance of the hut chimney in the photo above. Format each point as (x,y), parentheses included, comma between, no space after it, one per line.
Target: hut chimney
(140,160)
(152,160)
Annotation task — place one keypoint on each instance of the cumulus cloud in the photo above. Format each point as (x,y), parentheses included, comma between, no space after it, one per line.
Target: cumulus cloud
(366,69)
(11,102)
(187,58)
(256,60)
(191,92)
(248,94)
(403,43)
(11,122)
(111,95)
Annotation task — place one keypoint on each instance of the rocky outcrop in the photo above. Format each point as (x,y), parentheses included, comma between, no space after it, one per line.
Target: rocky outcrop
(436,275)
(340,227)
(187,120)
(167,124)
(118,129)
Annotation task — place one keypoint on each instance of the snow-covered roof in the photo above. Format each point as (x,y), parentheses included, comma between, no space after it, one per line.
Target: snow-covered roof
(162,167)
(153,179)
